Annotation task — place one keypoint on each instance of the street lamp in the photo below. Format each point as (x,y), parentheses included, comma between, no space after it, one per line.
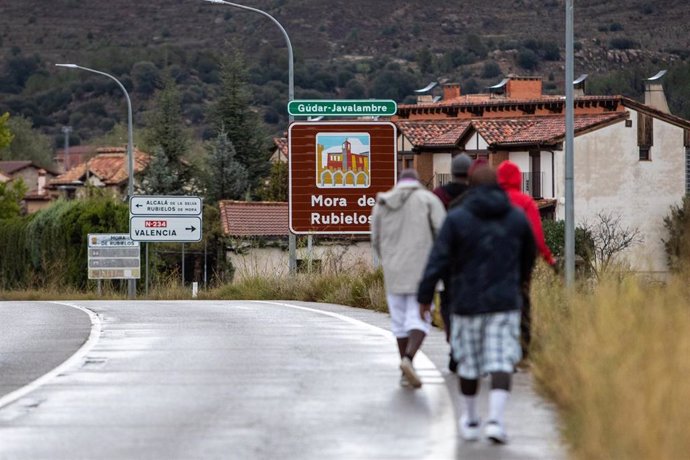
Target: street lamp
(292,241)
(132,284)
(291,73)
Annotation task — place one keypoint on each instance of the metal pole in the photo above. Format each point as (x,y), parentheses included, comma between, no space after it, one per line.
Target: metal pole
(205,266)
(132,284)
(147,269)
(183,265)
(569,148)
(292,239)
(65,158)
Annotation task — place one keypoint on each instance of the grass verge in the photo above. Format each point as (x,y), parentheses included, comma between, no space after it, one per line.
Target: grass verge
(614,358)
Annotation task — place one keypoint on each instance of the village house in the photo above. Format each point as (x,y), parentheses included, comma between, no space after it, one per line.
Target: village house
(259,234)
(34,177)
(631,159)
(107,170)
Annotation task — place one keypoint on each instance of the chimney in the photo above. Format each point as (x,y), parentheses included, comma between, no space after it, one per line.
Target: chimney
(41,181)
(523,87)
(451,91)
(654,93)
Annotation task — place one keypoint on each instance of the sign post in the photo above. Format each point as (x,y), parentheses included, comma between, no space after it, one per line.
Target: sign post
(336,170)
(165,218)
(113,256)
(342,107)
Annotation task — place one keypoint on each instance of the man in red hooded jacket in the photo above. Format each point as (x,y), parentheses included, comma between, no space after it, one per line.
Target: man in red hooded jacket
(510,179)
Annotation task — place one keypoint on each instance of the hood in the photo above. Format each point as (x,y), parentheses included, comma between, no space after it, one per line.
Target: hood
(398,195)
(509,176)
(487,201)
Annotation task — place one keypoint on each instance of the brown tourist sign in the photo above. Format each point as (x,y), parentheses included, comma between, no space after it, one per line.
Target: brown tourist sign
(336,170)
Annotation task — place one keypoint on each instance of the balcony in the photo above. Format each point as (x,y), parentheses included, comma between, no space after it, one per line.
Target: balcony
(532,183)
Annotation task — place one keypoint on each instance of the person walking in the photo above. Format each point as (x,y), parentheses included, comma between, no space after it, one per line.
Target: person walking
(510,179)
(404,223)
(487,249)
(449,193)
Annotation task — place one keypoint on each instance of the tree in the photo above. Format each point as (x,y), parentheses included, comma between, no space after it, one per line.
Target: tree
(168,172)
(228,177)
(275,187)
(610,238)
(677,245)
(27,144)
(11,195)
(5,133)
(233,114)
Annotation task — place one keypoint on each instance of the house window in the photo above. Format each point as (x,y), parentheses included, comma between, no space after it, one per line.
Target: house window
(645,136)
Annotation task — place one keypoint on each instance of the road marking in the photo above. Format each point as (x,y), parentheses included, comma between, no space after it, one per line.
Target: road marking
(70,362)
(443,431)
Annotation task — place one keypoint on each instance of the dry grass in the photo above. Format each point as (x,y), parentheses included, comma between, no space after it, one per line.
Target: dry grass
(615,359)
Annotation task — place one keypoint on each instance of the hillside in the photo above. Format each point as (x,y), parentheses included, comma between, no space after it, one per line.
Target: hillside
(359,48)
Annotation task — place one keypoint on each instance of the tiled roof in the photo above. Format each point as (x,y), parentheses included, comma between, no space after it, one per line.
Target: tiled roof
(433,133)
(254,218)
(537,130)
(10,167)
(109,165)
(500,131)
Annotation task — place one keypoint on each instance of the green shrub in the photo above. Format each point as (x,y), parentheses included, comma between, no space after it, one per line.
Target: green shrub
(677,245)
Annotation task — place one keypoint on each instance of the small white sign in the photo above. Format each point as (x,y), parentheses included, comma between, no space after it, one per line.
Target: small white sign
(113,256)
(161,228)
(150,205)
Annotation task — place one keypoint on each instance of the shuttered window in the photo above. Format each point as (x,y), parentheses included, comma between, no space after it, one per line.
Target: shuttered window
(645,136)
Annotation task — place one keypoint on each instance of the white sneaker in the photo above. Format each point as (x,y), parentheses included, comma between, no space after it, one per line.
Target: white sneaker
(409,372)
(494,432)
(404,382)
(469,431)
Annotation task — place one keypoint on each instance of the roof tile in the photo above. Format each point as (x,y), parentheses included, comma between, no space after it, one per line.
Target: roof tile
(254,218)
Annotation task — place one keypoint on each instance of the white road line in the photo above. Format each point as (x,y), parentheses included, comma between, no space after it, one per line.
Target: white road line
(423,362)
(77,357)
(443,430)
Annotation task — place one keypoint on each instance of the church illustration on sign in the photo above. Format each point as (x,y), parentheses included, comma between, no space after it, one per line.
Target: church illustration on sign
(343,160)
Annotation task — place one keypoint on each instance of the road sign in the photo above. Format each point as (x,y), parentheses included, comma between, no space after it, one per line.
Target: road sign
(184,229)
(146,205)
(113,256)
(336,170)
(342,107)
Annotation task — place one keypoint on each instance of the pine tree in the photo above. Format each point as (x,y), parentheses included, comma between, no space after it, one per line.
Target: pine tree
(228,177)
(168,172)
(232,113)
(5,134)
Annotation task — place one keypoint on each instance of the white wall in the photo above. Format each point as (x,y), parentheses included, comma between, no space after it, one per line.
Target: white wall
(476,142)
(442,163)
(609,178)
(268,261)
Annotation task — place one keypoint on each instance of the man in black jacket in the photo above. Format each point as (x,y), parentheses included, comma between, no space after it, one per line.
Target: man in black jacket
(486,249)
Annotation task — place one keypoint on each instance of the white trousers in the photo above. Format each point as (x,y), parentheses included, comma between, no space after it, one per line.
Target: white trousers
(404,311)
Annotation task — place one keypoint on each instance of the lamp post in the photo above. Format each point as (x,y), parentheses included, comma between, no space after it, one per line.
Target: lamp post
(569,149)
(132,284)
(292,241)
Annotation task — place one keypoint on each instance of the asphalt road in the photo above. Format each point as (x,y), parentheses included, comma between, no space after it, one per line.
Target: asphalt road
(245,380)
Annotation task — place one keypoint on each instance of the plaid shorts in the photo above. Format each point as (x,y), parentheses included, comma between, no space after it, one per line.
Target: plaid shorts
(486,343)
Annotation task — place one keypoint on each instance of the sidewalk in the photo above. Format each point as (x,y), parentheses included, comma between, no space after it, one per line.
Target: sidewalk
(531,421)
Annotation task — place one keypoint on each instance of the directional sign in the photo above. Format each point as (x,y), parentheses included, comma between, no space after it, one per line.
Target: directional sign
(165,228)
(336,169)
(343,107)
(145,205)
(113,256)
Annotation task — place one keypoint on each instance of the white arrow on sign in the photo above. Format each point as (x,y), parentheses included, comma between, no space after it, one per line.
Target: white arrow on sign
(151,205)
(164,228)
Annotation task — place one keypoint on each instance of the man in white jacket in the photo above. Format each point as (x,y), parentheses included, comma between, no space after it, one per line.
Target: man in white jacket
(404,223)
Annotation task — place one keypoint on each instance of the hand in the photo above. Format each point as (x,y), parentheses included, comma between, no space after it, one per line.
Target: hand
(424,310)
